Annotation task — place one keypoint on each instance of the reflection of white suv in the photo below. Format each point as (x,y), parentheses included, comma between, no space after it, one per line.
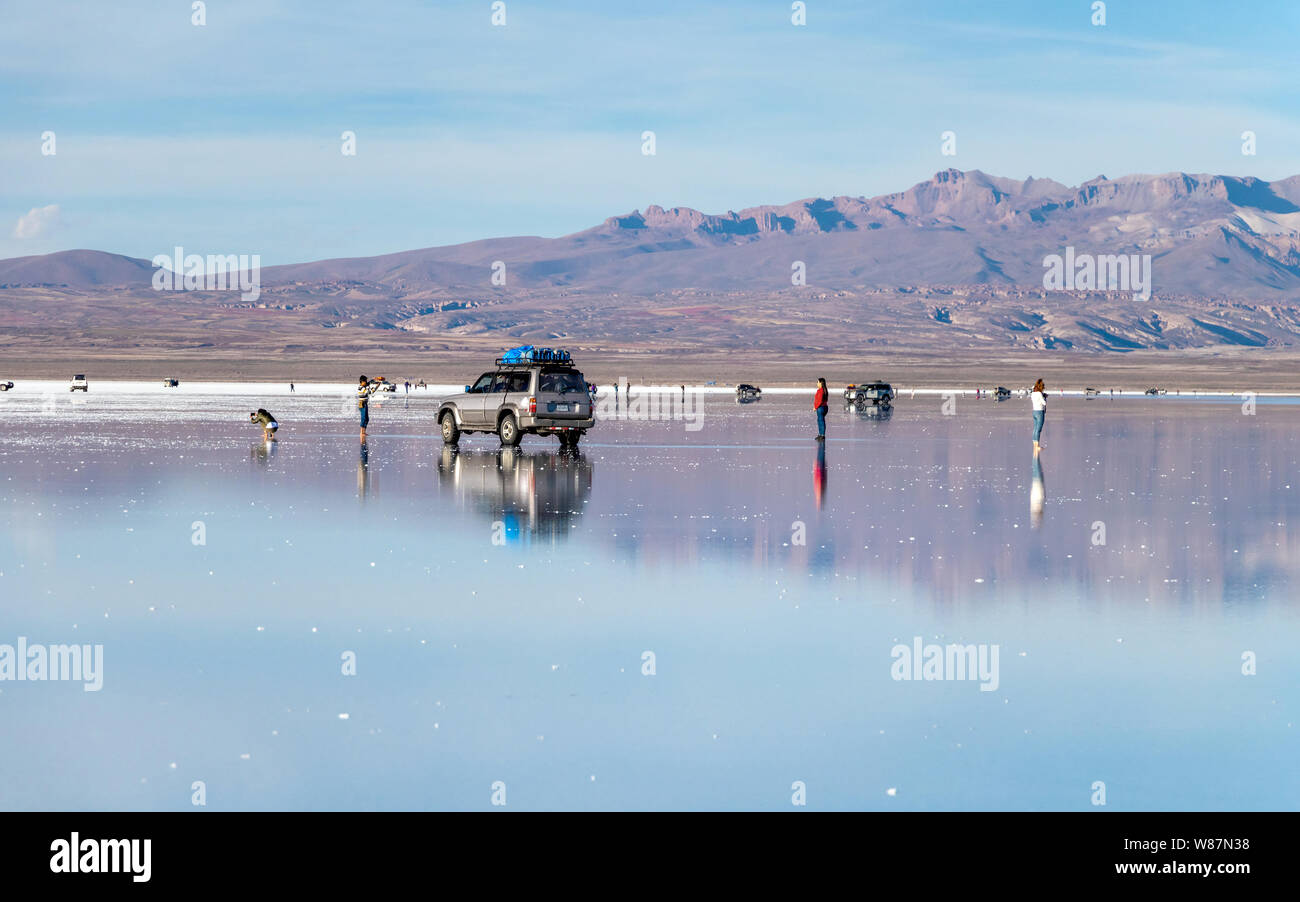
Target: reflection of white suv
(79,383)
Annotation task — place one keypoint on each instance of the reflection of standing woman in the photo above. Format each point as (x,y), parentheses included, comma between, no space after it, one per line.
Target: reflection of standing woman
(1038,398)
(1037,494)
(821,404)
(819,475)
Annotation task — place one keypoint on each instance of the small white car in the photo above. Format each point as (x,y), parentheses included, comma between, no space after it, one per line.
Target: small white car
(80,383)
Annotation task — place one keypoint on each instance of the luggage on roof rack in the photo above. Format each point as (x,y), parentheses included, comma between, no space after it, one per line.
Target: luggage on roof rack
(527,354)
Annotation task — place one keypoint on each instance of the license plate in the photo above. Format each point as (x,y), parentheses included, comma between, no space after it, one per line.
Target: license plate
(561,408)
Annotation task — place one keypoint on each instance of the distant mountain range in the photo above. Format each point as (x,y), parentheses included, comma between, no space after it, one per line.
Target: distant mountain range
(961,255)
(1209,235)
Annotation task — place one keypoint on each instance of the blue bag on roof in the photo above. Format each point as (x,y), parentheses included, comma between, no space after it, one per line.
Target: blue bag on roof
(532,354)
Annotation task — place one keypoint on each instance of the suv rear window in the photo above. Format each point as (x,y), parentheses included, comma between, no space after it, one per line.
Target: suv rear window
(562,381)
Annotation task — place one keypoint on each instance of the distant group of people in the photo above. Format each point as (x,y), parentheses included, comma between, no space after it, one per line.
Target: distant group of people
(1037,400)
(821,406)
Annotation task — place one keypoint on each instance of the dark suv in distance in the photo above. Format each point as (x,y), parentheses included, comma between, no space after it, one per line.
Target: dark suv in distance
(518,399)
(873,394)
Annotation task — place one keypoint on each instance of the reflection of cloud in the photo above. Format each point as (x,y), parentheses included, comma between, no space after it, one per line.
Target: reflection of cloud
(37,222)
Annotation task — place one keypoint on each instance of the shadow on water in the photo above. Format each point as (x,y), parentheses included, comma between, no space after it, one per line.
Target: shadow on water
(524,495)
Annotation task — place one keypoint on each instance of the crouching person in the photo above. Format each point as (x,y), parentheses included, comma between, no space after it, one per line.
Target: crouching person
(264,419)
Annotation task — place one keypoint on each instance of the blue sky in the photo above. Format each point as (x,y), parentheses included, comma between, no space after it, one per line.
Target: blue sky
(226,138)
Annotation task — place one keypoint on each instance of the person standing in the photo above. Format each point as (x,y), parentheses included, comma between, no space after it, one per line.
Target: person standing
(366,388)
(821,405)
(1038,400)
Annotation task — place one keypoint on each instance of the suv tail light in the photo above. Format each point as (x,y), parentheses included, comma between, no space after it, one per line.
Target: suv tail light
(532,406)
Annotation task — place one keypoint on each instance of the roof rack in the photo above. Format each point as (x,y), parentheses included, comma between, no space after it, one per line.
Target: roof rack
(527,355)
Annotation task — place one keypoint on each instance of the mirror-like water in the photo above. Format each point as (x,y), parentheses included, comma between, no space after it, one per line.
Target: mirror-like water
(504,608)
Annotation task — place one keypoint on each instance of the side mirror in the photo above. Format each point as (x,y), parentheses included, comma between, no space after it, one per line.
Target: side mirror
(467,389)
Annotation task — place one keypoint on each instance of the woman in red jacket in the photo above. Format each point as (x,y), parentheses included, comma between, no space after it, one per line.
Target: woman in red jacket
(821,405)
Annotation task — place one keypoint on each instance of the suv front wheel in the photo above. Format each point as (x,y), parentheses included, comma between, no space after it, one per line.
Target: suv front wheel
(450,431)
(508,430)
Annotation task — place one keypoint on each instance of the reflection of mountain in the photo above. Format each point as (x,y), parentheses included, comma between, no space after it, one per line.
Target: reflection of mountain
(530,494)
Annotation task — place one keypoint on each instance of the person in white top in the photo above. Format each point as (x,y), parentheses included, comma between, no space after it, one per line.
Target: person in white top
(1038,398)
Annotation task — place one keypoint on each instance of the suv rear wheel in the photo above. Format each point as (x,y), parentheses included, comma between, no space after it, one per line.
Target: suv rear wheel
(508,430)
(450,431)
(569,439)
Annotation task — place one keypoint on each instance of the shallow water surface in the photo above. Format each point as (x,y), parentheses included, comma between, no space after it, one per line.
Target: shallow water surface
(505,608)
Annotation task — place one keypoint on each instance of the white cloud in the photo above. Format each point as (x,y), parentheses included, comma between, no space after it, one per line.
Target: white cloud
(38,221)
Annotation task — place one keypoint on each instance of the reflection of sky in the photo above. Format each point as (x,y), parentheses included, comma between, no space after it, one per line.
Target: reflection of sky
(1119,662)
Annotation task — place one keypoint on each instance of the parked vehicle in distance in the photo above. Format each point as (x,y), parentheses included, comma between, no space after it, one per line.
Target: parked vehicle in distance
(1002,393)
(5,386)
(171,383)
(1090,392)
(80,383)
(870,394)
(1155,391)
(523,395)
(747,392)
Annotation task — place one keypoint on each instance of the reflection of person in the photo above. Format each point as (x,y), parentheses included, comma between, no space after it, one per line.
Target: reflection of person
(821,406)
(262,452)
(363,472)
(1037,493)
(366,388)
(819,475)
(264,419)
(1038,399)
